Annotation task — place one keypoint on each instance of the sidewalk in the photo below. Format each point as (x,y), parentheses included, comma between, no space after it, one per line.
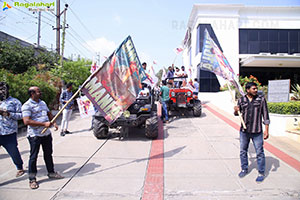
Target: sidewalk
(222,101)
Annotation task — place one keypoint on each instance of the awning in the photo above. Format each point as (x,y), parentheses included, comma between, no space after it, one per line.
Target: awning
(276,60)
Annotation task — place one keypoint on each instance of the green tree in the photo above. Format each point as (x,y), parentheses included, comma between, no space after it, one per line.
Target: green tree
(73,71)
(18,59)
(15,58)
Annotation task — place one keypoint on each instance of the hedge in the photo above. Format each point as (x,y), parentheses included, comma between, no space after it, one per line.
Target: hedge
(19,84)
(289,108)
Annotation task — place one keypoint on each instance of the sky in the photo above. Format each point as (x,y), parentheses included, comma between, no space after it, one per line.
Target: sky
(97,28)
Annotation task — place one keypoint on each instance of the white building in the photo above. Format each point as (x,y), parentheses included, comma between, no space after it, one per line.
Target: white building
(259,41)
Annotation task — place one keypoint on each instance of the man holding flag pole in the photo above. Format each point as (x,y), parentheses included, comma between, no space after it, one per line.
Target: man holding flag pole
(252,106)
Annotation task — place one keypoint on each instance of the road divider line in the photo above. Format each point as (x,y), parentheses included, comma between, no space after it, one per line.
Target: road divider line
(154,181)
(272,149)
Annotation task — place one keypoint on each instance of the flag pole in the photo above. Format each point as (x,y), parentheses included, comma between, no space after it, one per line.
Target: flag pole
(175,59)
(235,103)
(69,101)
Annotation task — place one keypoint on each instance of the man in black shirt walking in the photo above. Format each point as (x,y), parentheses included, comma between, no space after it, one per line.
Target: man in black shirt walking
(253,108)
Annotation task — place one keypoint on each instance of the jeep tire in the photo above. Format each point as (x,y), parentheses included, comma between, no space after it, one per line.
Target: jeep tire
(100,130)
(197,109)
(151,127)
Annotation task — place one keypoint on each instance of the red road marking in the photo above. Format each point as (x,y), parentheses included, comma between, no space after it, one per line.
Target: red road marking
(277,152)
(154,182)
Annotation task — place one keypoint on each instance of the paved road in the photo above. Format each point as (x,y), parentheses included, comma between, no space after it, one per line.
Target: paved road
(200,161)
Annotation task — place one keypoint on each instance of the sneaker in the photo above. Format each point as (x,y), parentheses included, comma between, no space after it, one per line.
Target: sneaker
(260,178)
(20,173)
(243,173)
(68,132)
(62,133)
(55,175)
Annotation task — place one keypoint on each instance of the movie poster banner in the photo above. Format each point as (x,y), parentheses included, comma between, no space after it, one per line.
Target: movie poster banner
(115,86)
(213,60)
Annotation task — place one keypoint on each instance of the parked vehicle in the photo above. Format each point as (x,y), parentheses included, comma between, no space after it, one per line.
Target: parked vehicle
(142,113)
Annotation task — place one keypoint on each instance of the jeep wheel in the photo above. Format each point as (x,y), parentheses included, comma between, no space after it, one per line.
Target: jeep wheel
(151,127)
(197,109)
(100,130)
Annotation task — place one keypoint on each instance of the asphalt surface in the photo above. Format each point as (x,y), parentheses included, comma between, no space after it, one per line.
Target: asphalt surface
(194,158)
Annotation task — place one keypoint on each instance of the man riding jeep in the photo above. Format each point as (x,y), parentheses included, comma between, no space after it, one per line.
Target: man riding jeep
(142,113)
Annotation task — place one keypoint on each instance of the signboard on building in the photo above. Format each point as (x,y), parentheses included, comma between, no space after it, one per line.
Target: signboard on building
(279,90)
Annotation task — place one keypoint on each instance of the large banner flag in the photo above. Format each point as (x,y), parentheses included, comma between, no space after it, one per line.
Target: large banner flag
(86,107)
(213,60)
(115,86)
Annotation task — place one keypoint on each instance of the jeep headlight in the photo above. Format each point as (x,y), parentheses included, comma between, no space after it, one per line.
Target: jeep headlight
(172,94)
(189,93)
(136,106)
(126,113)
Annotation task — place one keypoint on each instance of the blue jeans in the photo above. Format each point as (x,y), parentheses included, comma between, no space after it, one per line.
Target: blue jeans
(35,143)
(165,110)
(10,143)
(258,143)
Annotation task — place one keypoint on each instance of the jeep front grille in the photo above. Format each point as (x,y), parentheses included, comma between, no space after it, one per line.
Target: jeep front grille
(181,98)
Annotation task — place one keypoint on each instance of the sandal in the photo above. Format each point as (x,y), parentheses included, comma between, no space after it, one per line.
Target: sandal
(55,175)
(33,185)
(20,173)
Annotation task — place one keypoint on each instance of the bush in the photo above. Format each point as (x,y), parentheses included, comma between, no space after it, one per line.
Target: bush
(291,108)
(296,92)
(20,83)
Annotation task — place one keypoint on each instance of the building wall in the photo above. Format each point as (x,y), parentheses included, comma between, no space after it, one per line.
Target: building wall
(226,20)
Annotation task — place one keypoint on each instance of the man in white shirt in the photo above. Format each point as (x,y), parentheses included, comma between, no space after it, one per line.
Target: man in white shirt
(177,81)
(183,74)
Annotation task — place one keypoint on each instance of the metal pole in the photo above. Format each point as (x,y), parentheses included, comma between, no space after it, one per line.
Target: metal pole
(39,29)
(63,38)
(98,58)
(58,27)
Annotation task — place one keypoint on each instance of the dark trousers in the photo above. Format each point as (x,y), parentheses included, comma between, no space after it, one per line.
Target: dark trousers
(258,142)
(35,143)
(165,110)
(10,143)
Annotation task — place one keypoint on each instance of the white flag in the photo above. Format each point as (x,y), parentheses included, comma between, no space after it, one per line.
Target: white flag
(86,107)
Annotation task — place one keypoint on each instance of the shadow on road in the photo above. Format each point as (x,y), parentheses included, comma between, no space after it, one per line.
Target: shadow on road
(167,154)
(272,164)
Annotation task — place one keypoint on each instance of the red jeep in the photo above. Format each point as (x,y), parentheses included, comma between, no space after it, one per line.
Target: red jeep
(182,98)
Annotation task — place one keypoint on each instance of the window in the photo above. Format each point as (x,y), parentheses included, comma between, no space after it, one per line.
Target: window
(200,36)
(283,36)
(253,35)
(254,41)
(273,36)
(263,35)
